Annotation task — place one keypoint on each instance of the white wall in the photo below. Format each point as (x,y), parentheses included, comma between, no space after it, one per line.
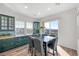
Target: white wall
(67,29)
(78,31)
(78,24)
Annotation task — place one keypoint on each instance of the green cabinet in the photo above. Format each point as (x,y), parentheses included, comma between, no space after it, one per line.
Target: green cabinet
(11,23)
(11,43)
(7,23)
(36,27)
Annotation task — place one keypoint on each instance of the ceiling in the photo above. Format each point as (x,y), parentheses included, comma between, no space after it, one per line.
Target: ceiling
(38,10)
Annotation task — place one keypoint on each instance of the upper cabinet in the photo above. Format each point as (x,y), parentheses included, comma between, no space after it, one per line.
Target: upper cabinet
(7,23)
(36,27)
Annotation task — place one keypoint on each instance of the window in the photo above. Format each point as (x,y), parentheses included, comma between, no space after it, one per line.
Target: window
(19,24)
(29,25)
(54,24)
(47,25)
(19,27)
(51,25)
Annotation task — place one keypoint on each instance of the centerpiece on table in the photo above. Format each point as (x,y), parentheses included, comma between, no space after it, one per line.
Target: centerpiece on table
(41,30)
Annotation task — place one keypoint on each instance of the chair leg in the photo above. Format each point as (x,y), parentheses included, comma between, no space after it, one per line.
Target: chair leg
(41,54)
(53,53)
(56,52)
(31,52)
(34,52)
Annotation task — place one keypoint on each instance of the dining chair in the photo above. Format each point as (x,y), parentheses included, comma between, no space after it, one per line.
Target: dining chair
(53,45)
(31,46)
(38,47)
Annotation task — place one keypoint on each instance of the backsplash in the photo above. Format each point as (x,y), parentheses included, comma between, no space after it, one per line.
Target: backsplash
(7,32)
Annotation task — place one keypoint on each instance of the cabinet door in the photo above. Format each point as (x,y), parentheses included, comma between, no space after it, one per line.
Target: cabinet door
(36,27)
(4,25)
(11,25)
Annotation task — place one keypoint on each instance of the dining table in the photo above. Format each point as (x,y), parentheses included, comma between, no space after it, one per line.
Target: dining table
(46,40)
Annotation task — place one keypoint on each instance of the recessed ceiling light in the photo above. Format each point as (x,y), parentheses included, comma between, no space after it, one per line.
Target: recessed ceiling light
(26,7)
(38,13)
(49,9)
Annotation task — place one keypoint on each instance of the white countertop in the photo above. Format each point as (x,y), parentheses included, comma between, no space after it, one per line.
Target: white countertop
(6,37)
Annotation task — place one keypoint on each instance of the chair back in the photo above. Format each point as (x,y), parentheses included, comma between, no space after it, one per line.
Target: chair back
(53,43)
(37,44)
(31,43)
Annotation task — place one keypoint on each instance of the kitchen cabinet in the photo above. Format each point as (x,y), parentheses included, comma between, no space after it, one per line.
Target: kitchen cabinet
(7,23)
(14,42)
(36,27)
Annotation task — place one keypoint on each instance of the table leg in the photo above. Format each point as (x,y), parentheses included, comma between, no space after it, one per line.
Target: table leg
(46,49)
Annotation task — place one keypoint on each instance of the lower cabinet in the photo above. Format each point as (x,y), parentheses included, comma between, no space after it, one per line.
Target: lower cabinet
(11,43)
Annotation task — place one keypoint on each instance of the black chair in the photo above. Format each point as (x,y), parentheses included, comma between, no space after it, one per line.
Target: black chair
(31,46)
(53,45)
